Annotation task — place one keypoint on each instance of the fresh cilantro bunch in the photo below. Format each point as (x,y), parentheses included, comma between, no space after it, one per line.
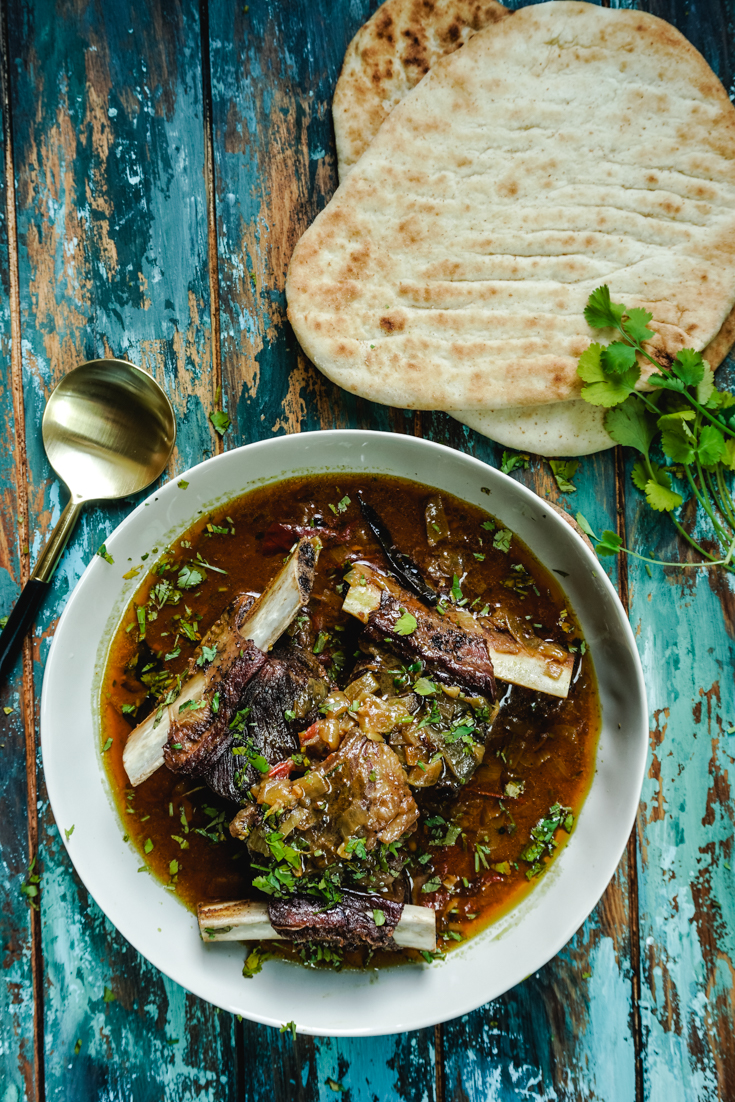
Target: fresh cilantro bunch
(687,422)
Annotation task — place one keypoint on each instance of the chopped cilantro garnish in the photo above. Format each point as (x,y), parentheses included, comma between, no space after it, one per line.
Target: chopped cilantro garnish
(105,554)
(502,540)
(208,655)
(220,421)
(542,842)
(514,460)
(190,577)
(254,962)
(405,624)
(564,471)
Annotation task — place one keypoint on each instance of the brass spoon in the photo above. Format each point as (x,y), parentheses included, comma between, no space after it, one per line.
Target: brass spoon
(108,430)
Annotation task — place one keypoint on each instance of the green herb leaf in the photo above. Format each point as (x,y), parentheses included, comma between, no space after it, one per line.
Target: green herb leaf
(667,382)
(321,641)
(148,845)
(220,421)
(405,624)
(635,325)
(711,447)
(254,962)
(660,496)
(631,424)
(432,885)
(502,540)
(424,687)
(677,439)
(589,364)
(639,475)
(379,917)
(107,746)
(189,577)
(208,655)
(609,544)
(600,312)
(182,484)
(564,470)
(289,1027)
(706,386)
(688,366)
(334,1085)
(109,995)
(617,359)
(105,554)
(512,461)
(585,525)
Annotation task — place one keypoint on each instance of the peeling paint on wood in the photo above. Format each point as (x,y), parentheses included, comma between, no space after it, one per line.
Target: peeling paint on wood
(108,123)
(17,1072)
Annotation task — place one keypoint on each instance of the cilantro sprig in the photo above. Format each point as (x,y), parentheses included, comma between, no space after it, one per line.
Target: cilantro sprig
(685,431)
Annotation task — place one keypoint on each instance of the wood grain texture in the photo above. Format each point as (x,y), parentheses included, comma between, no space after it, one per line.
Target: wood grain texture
(17,1004)
(684,627)
(112,221)
(109,128)
(566,1033)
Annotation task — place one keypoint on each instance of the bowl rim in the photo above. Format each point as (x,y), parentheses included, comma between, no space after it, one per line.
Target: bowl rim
(49,711)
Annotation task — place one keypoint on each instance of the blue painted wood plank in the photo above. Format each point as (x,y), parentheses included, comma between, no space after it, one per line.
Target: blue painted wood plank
(371,1069)
(566,1033)
(17,1073)
(684,625)
(109,154)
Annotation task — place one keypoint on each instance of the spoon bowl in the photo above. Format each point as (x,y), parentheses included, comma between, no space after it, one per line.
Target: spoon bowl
(108,430)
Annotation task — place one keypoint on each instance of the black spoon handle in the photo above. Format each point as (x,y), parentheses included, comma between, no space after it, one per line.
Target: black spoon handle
(19,621)
(34,591)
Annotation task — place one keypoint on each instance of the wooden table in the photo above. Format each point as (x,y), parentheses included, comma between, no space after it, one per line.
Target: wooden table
(161,159)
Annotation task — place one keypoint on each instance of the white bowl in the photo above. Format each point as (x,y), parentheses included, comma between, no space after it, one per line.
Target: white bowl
(323,1002)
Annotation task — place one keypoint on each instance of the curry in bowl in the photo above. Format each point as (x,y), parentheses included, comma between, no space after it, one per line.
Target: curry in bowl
(348,722)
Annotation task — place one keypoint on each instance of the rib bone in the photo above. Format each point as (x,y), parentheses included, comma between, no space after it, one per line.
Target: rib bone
(244,920)
(263,625)
(511,661)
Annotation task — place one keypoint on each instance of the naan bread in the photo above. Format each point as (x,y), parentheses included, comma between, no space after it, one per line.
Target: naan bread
(388,57)
(567,428)
(565,146)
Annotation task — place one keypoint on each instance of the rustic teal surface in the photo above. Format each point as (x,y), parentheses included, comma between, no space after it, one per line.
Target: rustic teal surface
(166,156)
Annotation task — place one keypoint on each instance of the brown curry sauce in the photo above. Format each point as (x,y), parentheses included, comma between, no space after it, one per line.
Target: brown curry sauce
(550,758)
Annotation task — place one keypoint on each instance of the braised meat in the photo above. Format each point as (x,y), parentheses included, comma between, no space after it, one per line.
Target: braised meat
(264,728)
(454,656)
(199,733)
(349,924)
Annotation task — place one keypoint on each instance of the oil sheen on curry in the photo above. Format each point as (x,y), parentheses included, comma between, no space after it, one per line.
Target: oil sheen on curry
(348,720)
